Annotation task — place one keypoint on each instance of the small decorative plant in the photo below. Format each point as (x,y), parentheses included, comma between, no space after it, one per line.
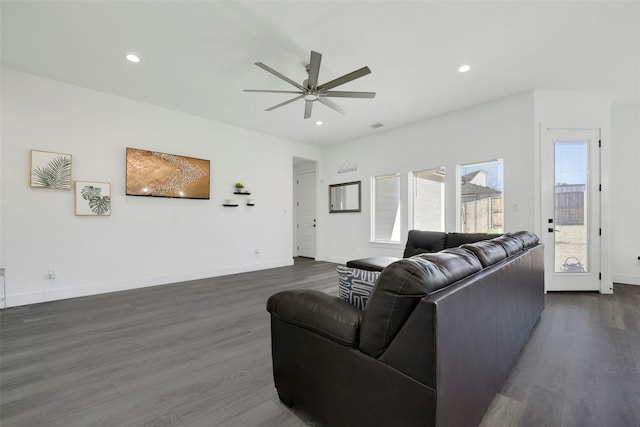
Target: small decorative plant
(239,187)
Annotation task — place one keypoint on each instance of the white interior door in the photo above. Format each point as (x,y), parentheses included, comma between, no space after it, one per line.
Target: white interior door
(306,214)
(571,208)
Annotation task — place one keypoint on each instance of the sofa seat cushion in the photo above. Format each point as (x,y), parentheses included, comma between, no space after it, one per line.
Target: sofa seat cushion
(400,288)
(377,263)
(318,312)
(355,285)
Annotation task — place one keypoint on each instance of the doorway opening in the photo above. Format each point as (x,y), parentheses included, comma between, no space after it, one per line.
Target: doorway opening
(304,208)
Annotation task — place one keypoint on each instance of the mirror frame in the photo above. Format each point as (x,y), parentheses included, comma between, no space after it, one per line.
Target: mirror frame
(345,184)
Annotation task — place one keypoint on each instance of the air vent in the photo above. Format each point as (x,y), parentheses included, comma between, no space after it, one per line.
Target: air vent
(377,125)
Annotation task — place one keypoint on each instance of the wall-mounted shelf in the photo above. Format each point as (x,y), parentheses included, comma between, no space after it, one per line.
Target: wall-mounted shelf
(229,206)
(251,204)
(244,194)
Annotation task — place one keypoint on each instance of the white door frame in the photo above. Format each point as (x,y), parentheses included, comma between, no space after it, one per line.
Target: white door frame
(606,284)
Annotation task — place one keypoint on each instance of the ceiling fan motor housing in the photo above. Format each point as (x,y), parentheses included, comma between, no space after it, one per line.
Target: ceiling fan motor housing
(310,90)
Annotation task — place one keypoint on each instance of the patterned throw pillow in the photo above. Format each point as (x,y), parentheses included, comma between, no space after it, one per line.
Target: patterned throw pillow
(355,285)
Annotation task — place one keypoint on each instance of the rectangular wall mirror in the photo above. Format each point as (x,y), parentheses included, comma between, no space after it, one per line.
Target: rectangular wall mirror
(344,197)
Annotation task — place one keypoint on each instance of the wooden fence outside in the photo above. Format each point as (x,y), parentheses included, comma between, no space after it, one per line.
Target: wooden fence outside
(483,216)
(570,208)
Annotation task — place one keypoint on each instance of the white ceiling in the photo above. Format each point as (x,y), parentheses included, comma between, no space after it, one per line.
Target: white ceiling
(198,56)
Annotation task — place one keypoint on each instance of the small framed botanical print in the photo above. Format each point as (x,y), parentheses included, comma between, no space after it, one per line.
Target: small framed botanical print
(93,198)
(50,170)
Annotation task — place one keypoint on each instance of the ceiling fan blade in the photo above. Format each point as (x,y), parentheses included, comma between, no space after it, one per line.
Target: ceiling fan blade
(345,79)
(271,91)
(342,94)
(331,105)
(284,103)
(307,109)
(281,76)
(314,69)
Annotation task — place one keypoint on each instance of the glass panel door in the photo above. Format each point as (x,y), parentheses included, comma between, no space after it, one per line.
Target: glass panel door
(570,207)
(571,242)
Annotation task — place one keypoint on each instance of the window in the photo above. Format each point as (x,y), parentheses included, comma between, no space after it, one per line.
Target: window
(481,200)
(427,200)
(385,221)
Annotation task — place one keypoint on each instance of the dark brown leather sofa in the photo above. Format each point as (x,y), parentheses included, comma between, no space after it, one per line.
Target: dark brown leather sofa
(421,242)
(433,346)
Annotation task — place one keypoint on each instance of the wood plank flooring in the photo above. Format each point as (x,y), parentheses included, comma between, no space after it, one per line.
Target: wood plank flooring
(198,354)
(581,366)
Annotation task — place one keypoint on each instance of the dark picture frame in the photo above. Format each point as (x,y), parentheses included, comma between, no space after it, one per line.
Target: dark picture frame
(345,197)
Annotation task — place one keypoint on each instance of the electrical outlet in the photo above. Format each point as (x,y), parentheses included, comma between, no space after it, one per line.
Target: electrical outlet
(52,274)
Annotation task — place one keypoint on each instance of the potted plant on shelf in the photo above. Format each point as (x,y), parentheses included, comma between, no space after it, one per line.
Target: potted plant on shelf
(240,189)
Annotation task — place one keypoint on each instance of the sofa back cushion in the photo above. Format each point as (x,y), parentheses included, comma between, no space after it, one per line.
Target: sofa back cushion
(510,244)
(400,288)
(528,238)
(419,242)
(487,251)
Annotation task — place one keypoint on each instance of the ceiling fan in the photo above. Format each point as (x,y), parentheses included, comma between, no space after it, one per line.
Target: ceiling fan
(311,91)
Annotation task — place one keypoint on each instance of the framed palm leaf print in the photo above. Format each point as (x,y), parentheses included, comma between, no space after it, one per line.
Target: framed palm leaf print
(50,170)
(93,198)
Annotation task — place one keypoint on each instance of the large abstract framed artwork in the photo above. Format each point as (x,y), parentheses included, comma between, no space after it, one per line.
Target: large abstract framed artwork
(93,198)
(50,170)
(150,173)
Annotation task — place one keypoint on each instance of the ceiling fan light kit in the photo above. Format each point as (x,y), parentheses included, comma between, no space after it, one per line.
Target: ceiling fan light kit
(310,91)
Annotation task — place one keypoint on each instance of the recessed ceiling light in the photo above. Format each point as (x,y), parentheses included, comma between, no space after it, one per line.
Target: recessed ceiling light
(132,58)
(318,123)
(464,68)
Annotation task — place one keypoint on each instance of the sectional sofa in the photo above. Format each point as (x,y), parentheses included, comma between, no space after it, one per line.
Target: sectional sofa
(432,347)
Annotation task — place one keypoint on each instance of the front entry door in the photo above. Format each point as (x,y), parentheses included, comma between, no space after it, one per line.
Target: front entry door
(571,209)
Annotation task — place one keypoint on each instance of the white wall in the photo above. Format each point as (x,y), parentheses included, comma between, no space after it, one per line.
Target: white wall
(625,185)
(146,241)
(500,129)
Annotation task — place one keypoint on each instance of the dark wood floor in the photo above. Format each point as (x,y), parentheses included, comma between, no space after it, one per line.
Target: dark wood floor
(581,366)
(198,354)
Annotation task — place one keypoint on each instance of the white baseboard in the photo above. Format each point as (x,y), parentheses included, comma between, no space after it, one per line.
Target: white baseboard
(15,300)
(335,260)
(626,280)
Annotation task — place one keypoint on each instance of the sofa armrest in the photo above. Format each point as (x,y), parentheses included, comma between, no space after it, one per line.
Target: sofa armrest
(318,312)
